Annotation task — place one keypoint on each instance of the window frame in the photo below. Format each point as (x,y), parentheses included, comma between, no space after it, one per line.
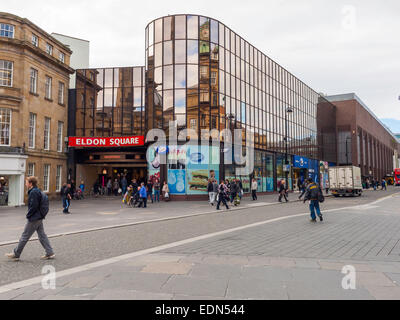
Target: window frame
(59,178)
(46,134)
(7,70)
(61,92)
(35,84)
(46,182)
(60,136)
(48,86)
(33,169)
(49,49)
(4,30)
(32,134)
(61,56)
(9,128)
(35,43)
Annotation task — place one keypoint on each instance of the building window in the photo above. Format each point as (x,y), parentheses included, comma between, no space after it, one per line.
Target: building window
(60,136)
(48,84)
(213,78)
(6,73)
(203,72)
(61,87)
(193,124)
(35,40)
(6,30)
(34,79)
(5,126)
(62,57)
(46,177)
(32,130)
(58,178)
(47,133)
(49,49)
(31,170)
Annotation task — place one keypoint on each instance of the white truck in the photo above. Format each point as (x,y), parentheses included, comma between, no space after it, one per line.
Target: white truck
(345,181)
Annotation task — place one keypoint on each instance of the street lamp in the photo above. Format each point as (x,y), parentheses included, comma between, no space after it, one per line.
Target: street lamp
(288,111)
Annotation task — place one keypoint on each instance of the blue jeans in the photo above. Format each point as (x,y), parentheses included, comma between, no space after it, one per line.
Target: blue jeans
(314,205)
(156,195)
(65,204)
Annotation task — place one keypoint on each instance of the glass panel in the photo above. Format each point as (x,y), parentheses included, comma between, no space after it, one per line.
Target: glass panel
(100,77)
(137,95)
(227,39)
(168,52)
(180,76)
(168,101)
(180,51)
(137,77)
(214,31)
(168,77)
(193,27)
(167,28)
(151,34)
(147,37)
(158,78)
(158,31)
(158,55)
(192,51)
(180,27)
(180,101)
(204,29)
(181,119)
(221,35)
(193,76)
(108,83)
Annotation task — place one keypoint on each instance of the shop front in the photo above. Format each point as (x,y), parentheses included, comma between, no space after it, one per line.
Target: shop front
(300,170)
(12,179)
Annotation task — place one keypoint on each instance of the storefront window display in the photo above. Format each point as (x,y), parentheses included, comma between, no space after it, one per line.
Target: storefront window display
(280,173)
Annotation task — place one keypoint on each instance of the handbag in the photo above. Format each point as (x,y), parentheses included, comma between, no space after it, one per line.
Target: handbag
(321,197)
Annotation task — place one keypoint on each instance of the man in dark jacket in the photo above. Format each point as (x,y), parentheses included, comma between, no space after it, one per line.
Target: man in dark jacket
(35,223)
(66,196)
(283,191)
(313,193)
(222,195)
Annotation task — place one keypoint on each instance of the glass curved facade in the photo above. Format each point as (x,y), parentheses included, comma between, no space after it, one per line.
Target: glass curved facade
(201,75)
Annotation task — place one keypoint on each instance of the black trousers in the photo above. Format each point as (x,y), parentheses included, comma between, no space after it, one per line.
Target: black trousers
(281,195)
(254,194)
(222,199)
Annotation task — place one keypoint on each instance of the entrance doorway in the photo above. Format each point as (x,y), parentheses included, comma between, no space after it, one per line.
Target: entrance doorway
(299,176)
(4,189)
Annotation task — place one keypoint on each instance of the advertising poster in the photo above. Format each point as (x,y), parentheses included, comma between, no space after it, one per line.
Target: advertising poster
(153,165)
(176,181)
(264,184)
(270,184)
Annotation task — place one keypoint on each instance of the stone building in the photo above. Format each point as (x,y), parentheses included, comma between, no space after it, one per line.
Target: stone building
(34,83)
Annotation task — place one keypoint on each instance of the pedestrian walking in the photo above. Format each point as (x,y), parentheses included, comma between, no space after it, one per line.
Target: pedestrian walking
(156,190)
(38,207)
(283,191)
(109,187)
(303,189)
(254,186)
(115,187)
(96,188)
(384,185)
(315,196)
(124,184)
(222,195)
(66,196)
(165,191)
(143,196)
(234,189)
(150,190)
(82,189)
(210,190)
(215,190)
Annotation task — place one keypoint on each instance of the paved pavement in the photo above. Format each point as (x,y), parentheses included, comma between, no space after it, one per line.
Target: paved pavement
(108,211)
(277,258)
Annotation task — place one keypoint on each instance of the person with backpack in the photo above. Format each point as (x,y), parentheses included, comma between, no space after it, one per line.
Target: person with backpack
(315,196)
(38,207)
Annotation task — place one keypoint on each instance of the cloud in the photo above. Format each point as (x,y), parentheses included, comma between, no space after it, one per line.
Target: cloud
(333,46)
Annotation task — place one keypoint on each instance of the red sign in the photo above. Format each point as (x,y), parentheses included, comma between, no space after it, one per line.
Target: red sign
(106,142)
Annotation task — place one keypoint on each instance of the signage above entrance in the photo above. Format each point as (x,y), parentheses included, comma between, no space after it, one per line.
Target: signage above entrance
(92,142)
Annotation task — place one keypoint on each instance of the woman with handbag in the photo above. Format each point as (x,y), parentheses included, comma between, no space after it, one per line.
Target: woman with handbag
(165,191)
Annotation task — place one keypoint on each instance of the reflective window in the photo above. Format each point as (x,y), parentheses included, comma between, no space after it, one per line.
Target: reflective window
(192,51)
(168,52)
(193,76)
(158,78)
(180,27)
(168,100)
(180,101)
(180,51)
(158,55)
(137,77)
(151,34)
(108,78)
(180,76)
(204,29)
(221,35)
(193,27)
(168,77)
(167,28)
(158,31)
(214,31)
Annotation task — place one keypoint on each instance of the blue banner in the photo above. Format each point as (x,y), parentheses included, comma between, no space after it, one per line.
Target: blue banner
(300,162)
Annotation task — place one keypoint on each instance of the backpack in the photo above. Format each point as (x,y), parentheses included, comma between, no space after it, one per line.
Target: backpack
(44,204)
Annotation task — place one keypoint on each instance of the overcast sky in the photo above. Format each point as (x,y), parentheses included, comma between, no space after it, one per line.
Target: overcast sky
(333,46)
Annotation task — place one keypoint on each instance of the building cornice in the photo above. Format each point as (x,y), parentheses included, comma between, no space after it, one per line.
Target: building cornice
(26,21)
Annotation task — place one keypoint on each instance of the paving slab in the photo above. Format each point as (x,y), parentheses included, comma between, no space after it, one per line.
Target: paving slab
(198,286)
(131,295)
(168,267)
(258,289)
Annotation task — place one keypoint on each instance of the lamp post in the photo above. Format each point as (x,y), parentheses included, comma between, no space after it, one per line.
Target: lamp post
(288,110)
